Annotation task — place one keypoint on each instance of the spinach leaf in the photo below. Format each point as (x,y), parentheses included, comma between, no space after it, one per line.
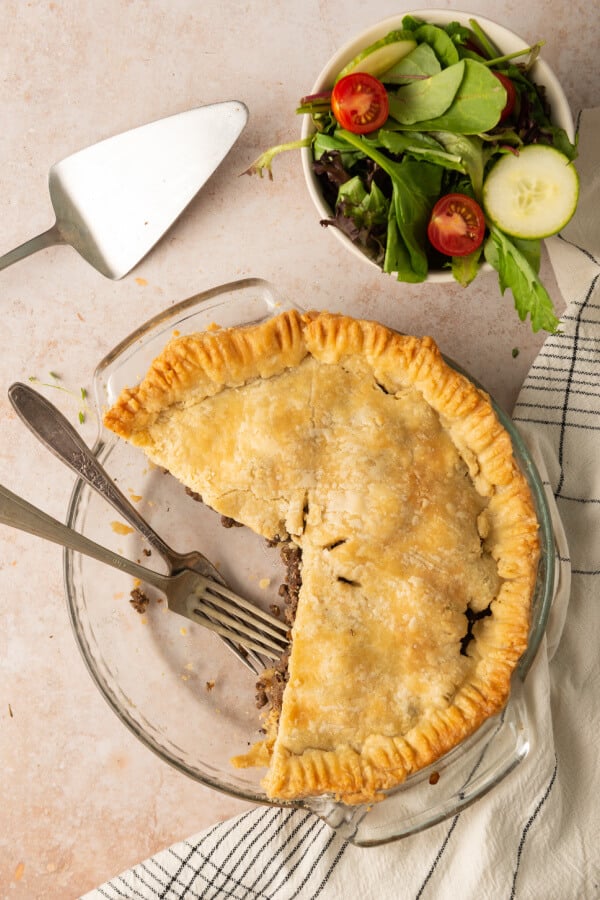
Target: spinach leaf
(397,258)
(428,98)
(411,23)
(399,142)
(470,151)
(515,272)
(415,188)
(419,63)
(476,107)
(419,146)
(439,42)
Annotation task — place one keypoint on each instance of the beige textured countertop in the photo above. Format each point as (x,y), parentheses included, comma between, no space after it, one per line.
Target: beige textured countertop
(81,798)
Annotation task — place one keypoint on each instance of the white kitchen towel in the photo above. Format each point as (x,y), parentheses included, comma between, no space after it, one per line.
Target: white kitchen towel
(537,835)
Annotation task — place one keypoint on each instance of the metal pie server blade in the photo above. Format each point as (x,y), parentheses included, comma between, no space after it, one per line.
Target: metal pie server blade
(114,200)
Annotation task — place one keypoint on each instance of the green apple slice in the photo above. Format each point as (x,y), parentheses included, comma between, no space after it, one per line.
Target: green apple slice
(532,194)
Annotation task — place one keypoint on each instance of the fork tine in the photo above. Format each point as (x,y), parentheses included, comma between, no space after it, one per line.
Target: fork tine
(204,601)
(247,640)
(274,627)
(238,628)
(250,658)
(241,607)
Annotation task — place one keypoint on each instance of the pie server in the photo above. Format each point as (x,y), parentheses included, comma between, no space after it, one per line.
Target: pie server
(114,200)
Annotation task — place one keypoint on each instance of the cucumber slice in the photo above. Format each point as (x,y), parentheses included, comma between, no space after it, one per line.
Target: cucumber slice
(532,195)
(382,55)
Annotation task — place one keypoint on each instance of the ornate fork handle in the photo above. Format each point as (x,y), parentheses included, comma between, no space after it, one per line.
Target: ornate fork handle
(59,436)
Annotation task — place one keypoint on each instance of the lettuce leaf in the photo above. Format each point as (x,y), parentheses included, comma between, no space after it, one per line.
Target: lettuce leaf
(362,215)
(516,271)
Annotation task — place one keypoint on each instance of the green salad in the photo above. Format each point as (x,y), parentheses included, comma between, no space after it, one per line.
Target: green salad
(434,150)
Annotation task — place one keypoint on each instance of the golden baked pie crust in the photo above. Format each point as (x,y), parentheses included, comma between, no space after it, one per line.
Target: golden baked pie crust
(393,474)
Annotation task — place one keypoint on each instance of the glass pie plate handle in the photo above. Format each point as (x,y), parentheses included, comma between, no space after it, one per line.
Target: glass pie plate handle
(172,683)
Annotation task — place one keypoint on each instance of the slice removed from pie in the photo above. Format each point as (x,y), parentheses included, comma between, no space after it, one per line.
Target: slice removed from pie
(419,542)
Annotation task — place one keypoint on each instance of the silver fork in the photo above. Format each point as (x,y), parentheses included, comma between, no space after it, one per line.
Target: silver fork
(188,593)
(49,425)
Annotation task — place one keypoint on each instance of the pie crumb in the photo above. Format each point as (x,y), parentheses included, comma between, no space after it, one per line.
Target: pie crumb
(139,600)
(121,528)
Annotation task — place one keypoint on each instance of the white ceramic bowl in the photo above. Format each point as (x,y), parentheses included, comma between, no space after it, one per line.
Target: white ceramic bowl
(507,41)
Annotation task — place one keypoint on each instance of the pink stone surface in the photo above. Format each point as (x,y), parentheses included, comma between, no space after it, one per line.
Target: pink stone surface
(81,798)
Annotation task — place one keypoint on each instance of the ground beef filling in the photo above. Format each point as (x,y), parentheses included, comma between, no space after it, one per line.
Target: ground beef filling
(139,600)
(271,684)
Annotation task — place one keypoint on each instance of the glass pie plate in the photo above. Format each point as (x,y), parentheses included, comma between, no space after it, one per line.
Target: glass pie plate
(177,686)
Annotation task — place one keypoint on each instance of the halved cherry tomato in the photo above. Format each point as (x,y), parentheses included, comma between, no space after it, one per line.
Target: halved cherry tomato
(360,103)
(457,225)
(511,94)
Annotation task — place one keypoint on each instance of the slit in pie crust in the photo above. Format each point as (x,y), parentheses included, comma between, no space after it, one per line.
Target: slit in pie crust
(418,536)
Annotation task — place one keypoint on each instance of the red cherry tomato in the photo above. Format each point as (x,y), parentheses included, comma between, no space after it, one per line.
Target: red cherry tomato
(511,94)
(457,225)
(360,103)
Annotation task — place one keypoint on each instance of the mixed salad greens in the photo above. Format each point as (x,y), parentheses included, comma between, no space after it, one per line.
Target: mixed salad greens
(435,150)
